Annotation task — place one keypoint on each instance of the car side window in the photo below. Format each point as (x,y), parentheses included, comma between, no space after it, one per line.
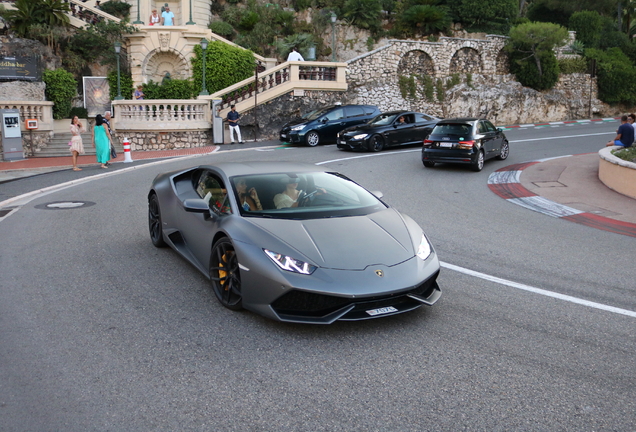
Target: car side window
(336,114)
(211,188)
(354,111)
(489,126)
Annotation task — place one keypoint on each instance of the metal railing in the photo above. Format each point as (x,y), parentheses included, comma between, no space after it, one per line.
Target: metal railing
(40,111)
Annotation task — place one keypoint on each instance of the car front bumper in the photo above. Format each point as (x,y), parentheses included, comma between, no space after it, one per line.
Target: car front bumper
(330,295)
(351,144)
(295,137)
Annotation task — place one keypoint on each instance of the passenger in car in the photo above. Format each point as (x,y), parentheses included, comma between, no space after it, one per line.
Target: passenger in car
(248,198)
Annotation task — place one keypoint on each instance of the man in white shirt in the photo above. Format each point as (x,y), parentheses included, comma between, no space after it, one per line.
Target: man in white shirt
(295,55)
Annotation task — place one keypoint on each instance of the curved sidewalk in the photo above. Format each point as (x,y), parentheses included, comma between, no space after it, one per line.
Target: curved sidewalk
(567,187)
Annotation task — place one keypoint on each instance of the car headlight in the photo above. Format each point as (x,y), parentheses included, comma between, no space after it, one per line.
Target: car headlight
(361,136)
(424,249)
(290,264)
(297,128)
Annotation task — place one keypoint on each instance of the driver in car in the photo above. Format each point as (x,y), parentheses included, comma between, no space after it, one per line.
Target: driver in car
(289,197)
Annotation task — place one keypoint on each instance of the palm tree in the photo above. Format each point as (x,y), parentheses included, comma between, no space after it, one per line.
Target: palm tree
(31,12)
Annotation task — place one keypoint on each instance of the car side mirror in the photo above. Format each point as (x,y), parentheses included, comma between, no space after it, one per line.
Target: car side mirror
(324,120)
(196,205)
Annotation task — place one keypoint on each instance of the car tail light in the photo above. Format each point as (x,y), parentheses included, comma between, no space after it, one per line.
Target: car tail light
(466,145)
(428,143)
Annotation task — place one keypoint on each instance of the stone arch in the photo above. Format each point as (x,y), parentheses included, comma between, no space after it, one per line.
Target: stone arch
(416,62)
(160,62)
(466,60)
(502,63)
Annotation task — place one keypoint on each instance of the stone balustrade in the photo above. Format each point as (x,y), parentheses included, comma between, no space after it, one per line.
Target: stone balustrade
(162,114)
(294,76)
(41,111)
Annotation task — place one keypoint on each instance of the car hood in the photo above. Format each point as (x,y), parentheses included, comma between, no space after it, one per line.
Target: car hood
(295,122)
(363,128)
(347,243)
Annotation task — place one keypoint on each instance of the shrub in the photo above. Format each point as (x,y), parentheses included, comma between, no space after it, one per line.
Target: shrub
(117,8)
(428,89)
(222,29)
(407,86)
(439,89)
(572,65)
(527,71)
(616,76)
(627,154)
(125,84)
(588,26)
(61,88)
(80,112)
(225,65)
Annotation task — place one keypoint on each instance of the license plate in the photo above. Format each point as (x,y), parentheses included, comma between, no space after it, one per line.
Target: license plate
(381,311)
(445,144)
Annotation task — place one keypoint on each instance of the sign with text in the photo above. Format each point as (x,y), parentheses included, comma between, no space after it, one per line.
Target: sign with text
(19,68)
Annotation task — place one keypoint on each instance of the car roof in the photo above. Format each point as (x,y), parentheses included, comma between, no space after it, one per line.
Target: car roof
(258,168)
(461,120)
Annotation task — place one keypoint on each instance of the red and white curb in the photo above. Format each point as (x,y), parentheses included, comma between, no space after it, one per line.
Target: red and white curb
(561,123)
(506,183)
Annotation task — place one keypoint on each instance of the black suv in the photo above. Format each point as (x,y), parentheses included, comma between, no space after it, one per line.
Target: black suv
(323,124)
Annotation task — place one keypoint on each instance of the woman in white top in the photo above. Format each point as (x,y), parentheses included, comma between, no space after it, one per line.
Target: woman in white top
(77,146)
(154,18)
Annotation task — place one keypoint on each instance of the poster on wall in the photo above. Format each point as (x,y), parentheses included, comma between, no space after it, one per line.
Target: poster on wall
(96,95)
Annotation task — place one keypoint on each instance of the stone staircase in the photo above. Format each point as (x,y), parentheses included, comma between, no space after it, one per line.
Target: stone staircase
(58,146)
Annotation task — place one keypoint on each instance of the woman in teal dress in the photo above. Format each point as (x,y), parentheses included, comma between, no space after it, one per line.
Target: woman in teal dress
(101,138)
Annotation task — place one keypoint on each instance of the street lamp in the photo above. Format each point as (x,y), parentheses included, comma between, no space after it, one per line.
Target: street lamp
(139,21)
(190,22)
(204,46)
(333,36)
(117,51)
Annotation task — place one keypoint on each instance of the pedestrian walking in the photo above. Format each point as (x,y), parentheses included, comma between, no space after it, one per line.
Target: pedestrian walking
(101,140)
(77,146)
(233,119)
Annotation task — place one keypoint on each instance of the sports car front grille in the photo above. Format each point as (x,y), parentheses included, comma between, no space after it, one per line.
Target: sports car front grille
(311,305)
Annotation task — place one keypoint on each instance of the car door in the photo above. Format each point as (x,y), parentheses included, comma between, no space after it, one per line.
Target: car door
(424,125)
(354,115)
(332,123)
(198,229)
(487,138)
(497,140)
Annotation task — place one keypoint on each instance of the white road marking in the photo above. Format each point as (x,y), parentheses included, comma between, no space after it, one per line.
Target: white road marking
(539,291)
(562,137)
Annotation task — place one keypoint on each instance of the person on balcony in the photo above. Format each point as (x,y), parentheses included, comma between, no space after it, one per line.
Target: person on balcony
(294,55)
(155,19)
(167,17)
(233,119)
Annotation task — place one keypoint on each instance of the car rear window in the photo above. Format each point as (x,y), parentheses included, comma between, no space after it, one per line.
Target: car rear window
(452,129)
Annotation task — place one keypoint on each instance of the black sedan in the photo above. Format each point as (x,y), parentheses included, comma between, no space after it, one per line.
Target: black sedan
(389,129)
(294,242)
(468,141)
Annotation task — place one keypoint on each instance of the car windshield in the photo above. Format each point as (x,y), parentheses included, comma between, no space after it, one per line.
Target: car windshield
(383,119)
(317,113)
(462,129)
(302,196)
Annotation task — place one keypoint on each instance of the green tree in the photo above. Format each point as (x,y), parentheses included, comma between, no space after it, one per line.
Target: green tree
(559,11)
(225,65)
(425,19)
(35,12)
(481,12)
(588,26)
(532,57)
(125,84)
(364,14)
(61,89)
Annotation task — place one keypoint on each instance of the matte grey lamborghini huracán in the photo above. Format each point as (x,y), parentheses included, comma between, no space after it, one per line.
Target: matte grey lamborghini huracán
(294,242)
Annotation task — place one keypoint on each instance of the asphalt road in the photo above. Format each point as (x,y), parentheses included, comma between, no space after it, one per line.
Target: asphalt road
(101,331)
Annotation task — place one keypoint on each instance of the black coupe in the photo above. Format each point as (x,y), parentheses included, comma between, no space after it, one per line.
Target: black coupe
(394,128)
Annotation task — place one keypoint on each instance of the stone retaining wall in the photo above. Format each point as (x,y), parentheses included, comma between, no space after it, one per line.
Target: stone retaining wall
(166,140)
